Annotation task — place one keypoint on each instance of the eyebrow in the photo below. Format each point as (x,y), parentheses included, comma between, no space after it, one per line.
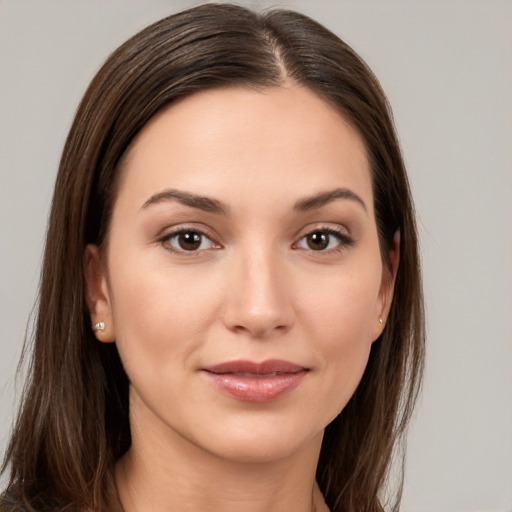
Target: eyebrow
(323,198)
(211,205)
(206,204)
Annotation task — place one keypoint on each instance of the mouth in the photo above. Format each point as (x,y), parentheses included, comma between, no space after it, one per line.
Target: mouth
(255,382)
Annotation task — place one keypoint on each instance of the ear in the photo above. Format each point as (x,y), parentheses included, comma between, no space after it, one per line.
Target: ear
(387,286)
(97,294)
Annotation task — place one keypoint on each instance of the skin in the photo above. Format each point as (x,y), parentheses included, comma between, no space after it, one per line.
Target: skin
(254,290)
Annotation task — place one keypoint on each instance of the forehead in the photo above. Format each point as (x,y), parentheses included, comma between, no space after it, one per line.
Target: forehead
(243,141)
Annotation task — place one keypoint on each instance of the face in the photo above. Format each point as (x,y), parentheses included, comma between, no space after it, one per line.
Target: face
(242,279)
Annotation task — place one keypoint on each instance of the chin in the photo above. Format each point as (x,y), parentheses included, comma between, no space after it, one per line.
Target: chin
(262,441)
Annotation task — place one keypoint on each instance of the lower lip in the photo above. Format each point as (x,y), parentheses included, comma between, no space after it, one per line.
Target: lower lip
(256,388)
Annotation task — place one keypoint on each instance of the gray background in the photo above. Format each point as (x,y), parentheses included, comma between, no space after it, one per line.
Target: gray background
(447,68)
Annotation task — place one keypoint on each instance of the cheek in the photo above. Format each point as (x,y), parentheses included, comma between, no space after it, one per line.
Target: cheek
(341,317)
(344,305)
(159,312)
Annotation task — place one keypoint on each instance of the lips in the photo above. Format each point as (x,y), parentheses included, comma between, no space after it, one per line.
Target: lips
(255,382)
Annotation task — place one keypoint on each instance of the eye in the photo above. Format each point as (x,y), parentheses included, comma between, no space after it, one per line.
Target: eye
(188,241)
(324,240)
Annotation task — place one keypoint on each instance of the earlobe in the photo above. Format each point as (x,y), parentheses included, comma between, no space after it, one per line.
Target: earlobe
(387,286)
(97,295)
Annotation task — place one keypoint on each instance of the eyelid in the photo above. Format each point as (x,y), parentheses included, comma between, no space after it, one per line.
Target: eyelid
(343,235)
(173,231)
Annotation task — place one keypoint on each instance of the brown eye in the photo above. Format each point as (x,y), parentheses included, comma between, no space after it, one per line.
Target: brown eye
(188,241)
(318,240)
(325,240)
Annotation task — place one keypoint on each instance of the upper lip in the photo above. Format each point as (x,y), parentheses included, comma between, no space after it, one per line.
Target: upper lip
(250,367)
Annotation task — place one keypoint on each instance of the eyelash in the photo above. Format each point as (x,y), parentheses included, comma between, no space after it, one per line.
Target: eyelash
(165,240)
(344,240)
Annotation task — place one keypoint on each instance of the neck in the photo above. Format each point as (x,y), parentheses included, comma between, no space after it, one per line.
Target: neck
(181,476)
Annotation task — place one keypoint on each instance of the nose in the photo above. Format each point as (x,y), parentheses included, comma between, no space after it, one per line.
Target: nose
(258,297)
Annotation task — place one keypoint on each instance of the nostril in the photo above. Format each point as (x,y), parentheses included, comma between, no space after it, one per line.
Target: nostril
(260,330)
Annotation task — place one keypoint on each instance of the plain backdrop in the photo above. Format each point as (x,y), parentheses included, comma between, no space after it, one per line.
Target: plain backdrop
(447,68)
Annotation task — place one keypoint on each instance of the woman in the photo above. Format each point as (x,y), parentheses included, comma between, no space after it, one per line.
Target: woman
(230,312)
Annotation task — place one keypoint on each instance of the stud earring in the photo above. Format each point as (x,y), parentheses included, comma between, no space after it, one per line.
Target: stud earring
(380,320)
(100,326)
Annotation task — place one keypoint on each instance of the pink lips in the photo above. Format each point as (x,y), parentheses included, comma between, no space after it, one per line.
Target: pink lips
(256,382)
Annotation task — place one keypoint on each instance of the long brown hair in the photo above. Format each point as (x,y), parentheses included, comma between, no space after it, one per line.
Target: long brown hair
(73,423)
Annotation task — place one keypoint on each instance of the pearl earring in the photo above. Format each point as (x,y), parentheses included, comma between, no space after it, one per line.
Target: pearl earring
(100,326)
